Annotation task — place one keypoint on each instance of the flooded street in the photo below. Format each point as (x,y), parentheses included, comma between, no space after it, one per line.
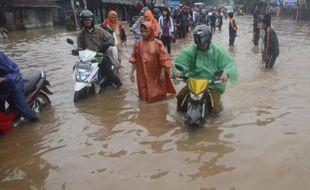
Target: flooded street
(114,141)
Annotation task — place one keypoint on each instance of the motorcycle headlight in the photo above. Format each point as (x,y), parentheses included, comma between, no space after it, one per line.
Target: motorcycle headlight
(81,76)
(196,97)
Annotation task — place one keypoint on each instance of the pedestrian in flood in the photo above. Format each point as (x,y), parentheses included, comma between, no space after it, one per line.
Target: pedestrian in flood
(220,21)
(195,17)
(135,29)
(140,20)
(156,13)
(112,25)
(271,43)
(213,21)
(149,17)
(256,29)
(208,19)
(232,28)
(166,28)
(183,22)
(152,64)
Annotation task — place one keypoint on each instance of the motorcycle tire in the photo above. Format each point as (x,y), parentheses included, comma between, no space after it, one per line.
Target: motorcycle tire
(195,126)
(79,95)
(40,103)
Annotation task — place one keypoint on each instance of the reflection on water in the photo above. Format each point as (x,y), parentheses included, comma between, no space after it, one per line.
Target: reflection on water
(208,150)
(113,141)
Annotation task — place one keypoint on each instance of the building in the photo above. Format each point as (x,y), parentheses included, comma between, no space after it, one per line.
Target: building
(27,14)
(125,9)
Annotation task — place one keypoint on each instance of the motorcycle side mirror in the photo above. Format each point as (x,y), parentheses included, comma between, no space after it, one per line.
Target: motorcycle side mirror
(69,41)
(75,52)
(179,67)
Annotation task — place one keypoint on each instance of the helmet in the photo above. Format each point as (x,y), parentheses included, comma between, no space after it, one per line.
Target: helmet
(156,10)
(87,14)
(202,34)
(144,10)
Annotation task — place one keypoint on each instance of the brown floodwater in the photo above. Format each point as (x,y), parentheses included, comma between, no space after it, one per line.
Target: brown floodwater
(114,141)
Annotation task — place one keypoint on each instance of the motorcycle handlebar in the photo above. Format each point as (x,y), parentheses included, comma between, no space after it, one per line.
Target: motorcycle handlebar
(75,52)
(184,79)
(99,54)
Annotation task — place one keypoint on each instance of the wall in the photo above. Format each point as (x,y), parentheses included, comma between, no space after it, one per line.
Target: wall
(35,18)
(304,14)
(9,18)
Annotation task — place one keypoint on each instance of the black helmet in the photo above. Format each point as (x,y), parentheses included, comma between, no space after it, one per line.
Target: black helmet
(156,10)
(87,14)
(202,34)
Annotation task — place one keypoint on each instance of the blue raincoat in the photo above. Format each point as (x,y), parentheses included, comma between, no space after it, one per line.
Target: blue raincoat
(14,87)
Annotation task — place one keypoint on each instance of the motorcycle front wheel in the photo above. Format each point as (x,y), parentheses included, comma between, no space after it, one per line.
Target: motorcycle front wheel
(79,95)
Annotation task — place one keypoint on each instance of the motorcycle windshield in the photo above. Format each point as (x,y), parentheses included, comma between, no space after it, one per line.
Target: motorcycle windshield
(87,55)
(197,86)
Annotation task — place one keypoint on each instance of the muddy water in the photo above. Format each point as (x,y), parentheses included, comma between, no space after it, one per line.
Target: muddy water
(113,141)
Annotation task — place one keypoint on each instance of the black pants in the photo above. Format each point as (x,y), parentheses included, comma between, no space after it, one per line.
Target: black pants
(182,31)
(220,27)
(107,71)
(256,38)
(167,42)
(232,37)
(271,61)
(213,28)
(17,100)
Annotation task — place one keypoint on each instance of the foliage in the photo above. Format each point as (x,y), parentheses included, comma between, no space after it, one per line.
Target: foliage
(70,23)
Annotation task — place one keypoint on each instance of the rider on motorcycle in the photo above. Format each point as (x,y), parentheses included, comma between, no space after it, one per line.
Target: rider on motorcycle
(99,40)
(203,60)
(12,89)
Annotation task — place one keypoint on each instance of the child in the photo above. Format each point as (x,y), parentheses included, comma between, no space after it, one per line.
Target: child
(232,29)
(152,64)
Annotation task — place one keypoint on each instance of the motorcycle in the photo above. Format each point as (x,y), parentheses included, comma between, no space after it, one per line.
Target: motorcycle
(36,93)
(198,102)
(86,74)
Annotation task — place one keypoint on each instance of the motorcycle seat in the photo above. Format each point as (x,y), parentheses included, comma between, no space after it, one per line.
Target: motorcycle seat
(30,81)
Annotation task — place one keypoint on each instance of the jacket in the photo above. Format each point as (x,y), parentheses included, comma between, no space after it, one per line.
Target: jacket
(161,25)
(271,42)
(203,64)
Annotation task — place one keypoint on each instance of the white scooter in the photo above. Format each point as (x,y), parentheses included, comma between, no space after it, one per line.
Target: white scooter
(86,73)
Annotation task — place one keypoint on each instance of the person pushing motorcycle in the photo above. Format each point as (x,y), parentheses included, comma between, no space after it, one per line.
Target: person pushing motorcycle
(203,60)
(12,89)
(99,40)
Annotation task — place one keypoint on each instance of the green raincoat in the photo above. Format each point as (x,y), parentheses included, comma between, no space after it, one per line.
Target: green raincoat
(203,64)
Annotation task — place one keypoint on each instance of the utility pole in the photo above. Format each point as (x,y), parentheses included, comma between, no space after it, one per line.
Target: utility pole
(74,13)
(85,4)
(100,7)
